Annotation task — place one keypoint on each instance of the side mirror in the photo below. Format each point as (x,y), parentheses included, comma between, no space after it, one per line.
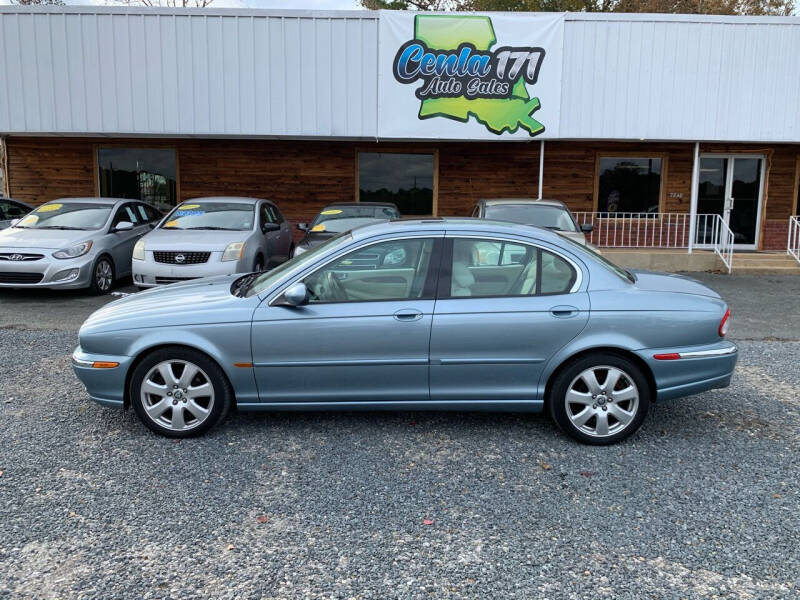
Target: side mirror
(14,222)
(267,227)
(302,226)
(587,227)
(295,295)
(123,226)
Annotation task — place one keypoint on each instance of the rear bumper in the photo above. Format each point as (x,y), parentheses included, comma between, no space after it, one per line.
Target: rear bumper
(106,386)
(691,370)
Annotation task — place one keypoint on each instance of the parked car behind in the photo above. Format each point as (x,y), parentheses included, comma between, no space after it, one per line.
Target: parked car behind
(340,327)
(11,210)
(552,214)
(74,243)
(343,216)
(212,236)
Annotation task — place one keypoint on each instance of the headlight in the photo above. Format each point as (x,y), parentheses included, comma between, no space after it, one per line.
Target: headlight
(138,250)
(73,252)
(298,250)
(234,251)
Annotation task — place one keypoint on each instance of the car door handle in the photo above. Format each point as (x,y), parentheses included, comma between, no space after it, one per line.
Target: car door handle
(407,314)
(564,312)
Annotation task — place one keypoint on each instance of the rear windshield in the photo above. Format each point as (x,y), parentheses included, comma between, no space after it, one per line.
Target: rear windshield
(602,260)
(543,215)
(67,215)
(226,216)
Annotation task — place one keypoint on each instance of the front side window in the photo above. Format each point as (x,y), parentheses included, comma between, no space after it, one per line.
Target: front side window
(391,270)
(485,268)
(11,210)
(147,174)
(67,215)
(629,185)
(406,180)
(222,216)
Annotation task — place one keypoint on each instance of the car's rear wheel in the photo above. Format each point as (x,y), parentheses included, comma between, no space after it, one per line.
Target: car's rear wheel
(600,399)
(102,276)
(179,392)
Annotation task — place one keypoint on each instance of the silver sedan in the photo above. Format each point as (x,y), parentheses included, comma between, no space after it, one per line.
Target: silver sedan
(212,236)
(74,243)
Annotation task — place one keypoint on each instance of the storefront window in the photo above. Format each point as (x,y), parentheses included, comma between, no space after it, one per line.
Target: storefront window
(629,185)
(405,179)
(146,174)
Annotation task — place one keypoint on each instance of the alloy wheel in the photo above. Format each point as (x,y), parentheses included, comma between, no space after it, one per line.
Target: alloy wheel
(104,275)
(602,401)
(177,395)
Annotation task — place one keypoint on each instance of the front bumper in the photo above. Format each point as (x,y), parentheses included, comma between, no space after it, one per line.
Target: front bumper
(46,272)
(106,385)
(149,273)
(690,370)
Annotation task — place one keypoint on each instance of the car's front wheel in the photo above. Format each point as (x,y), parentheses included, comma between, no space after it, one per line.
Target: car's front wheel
(600,398)
(179,392)
(102,276)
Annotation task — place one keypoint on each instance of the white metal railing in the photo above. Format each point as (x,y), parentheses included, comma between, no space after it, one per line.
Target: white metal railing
(659,230)
(793,242)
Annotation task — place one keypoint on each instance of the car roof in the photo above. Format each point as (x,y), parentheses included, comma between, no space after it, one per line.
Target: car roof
(502,201)
(94,200)
(231,199)
(383,204)
(455,224)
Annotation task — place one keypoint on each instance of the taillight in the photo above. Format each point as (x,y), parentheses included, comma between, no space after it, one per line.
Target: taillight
(723,325)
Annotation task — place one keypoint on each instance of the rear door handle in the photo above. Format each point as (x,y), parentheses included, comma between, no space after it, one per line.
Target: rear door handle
(407,314)
(564,312)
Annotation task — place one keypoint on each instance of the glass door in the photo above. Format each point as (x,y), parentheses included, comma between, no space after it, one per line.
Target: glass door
(731,185)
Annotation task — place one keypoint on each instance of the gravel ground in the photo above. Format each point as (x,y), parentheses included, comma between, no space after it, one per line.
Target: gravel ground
(703,502)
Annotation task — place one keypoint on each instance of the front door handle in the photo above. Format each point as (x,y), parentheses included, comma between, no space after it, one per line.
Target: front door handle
(407,314)
(564,312)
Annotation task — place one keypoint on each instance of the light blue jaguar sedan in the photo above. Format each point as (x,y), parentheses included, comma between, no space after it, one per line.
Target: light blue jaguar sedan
(441,314)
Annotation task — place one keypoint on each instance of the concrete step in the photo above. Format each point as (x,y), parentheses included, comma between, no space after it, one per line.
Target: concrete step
(740,269)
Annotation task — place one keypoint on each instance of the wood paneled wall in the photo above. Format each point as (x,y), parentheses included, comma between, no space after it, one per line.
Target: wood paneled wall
(303,176)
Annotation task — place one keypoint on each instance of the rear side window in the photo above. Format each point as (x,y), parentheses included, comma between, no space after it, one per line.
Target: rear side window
(495,268)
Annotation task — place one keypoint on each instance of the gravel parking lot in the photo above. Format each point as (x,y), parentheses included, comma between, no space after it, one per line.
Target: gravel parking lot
(703,502)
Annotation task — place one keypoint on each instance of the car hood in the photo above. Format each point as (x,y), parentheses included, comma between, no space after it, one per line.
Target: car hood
(197,240)
(15,237)
(207,300)
(653,281)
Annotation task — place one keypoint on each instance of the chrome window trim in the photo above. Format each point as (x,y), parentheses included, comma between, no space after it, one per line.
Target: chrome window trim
(495,238)
(283,285)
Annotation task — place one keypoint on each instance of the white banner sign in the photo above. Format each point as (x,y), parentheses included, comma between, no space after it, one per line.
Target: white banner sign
(469,76)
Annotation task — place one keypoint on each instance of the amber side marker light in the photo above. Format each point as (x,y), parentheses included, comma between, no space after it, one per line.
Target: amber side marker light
(99,364)
(243,365)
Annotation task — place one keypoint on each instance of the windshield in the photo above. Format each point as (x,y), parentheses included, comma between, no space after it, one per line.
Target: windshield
(67,215)
(268,278)
(229,216)
(336,219)
(543,215)
(602,260)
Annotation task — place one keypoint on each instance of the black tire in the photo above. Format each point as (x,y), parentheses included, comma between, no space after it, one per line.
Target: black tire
(223,393)
(291,252)
(568,377)
(96,287)
(258,265)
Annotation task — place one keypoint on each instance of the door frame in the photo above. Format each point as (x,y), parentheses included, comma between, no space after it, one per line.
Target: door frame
(731,156)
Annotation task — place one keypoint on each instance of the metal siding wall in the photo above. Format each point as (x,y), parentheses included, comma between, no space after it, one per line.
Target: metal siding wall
(173,73)
(681,80)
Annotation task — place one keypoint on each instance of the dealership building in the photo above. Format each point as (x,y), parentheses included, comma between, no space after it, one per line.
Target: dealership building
(643,121)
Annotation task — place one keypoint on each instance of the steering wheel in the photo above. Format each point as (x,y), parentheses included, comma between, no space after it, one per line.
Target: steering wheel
(335,288)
